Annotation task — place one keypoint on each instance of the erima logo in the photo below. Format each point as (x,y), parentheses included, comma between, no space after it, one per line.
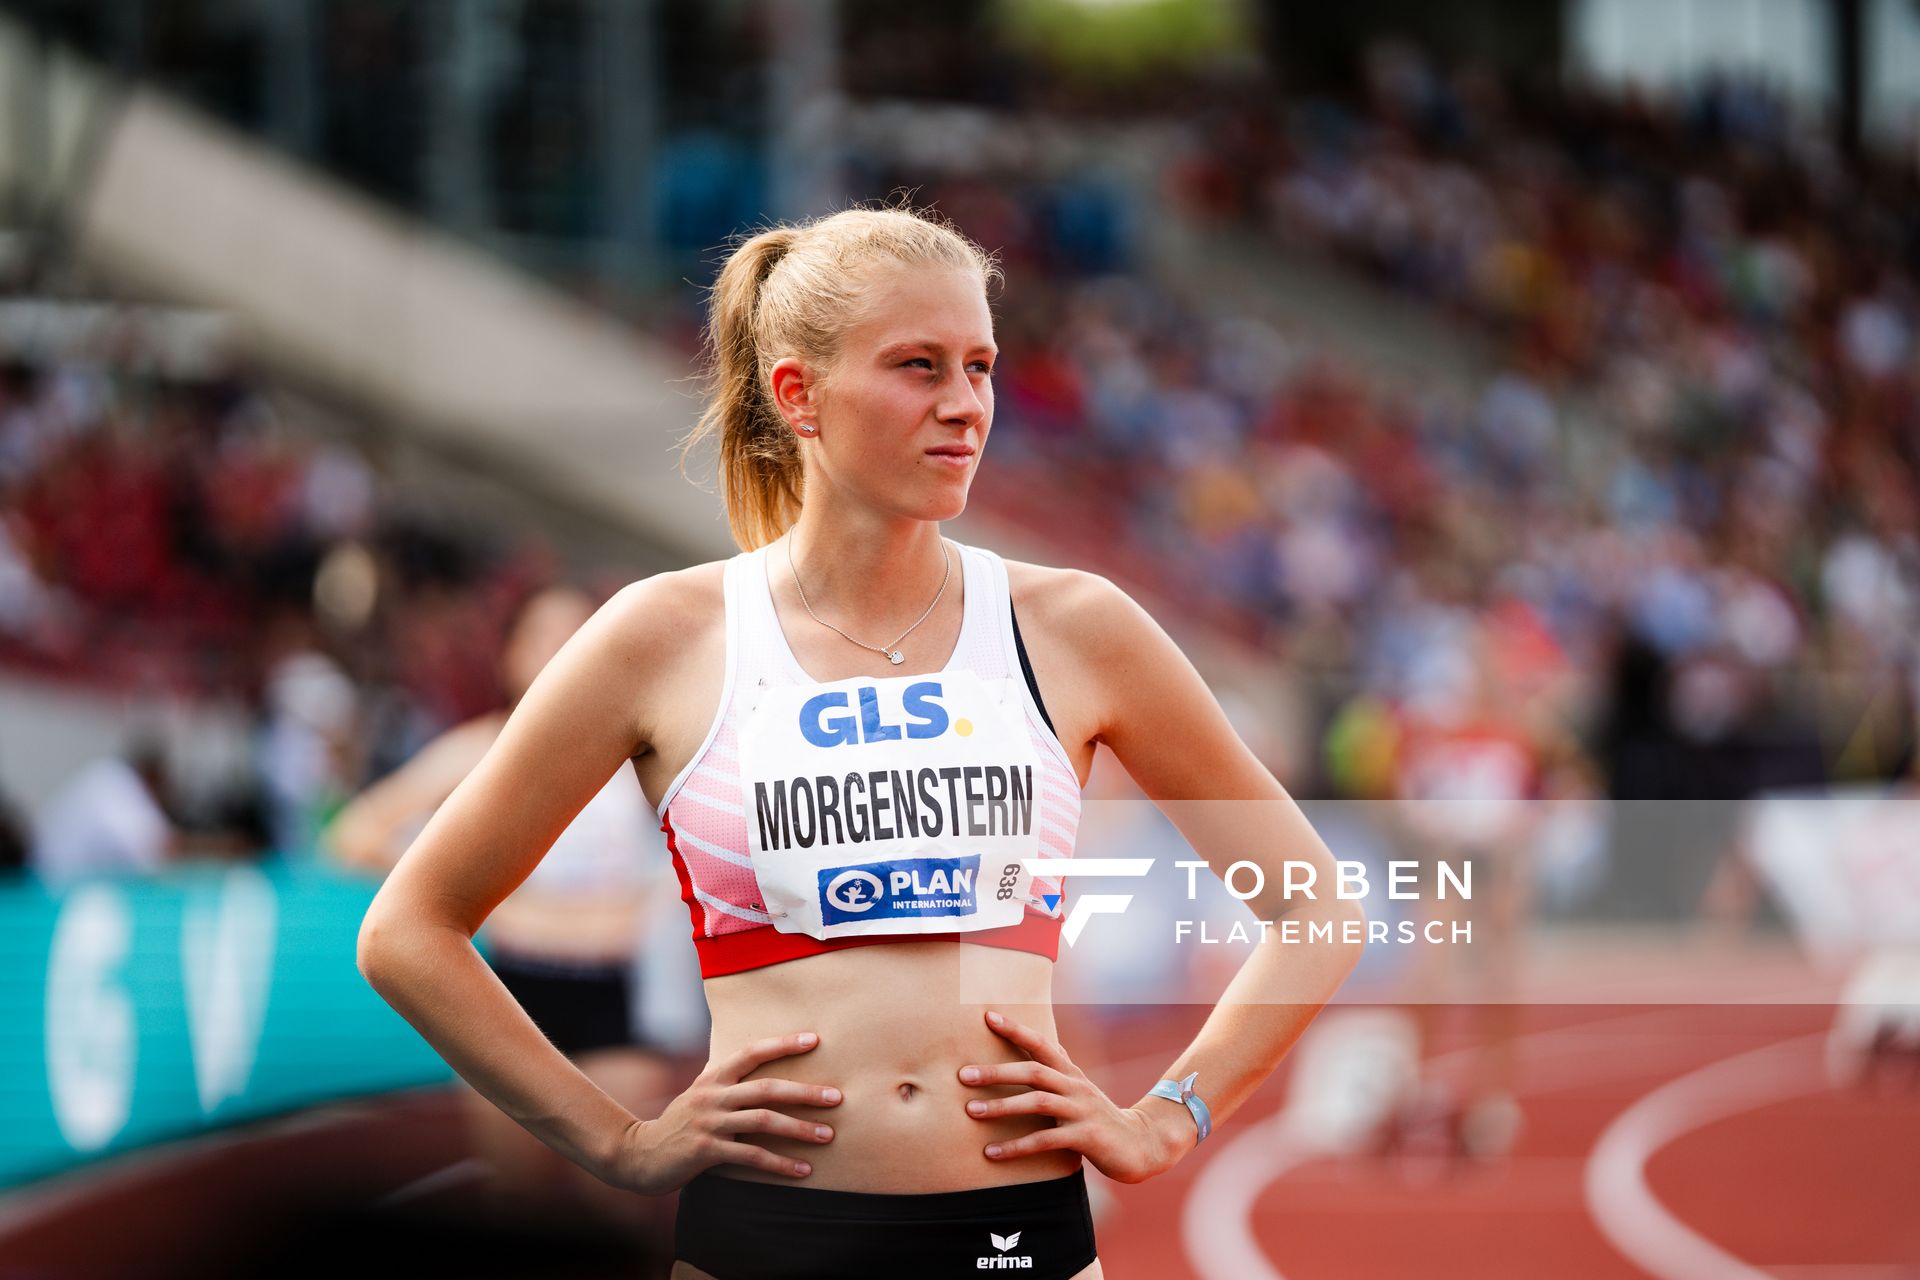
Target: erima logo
(1003,1261)
(827,719)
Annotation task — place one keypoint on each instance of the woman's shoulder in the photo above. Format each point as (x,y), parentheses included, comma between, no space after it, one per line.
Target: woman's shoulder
(1051,594)
(1084,637)
(690,587)
(666,610)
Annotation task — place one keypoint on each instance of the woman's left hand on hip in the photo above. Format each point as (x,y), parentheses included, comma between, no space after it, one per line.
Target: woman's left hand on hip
(1121,1142)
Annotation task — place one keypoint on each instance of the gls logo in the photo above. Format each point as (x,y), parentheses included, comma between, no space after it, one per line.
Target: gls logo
(827,721)
(1003,1261)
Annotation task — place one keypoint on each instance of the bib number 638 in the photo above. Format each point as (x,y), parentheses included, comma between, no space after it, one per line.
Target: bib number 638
(1009,876)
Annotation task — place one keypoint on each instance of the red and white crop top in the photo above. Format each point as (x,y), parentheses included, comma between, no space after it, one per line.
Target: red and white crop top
(821,815)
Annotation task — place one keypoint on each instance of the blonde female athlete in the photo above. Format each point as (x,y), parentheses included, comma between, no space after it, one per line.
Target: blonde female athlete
(843,730)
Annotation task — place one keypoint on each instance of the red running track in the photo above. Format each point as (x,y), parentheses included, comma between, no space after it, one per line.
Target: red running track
(1795,1179)
(1658,1141)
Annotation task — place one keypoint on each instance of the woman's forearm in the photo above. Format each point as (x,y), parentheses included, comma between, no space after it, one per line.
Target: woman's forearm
(1271,1000)
(432,975)
(1284,984)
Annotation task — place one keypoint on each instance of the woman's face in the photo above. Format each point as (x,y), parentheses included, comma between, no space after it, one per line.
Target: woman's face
(903,419)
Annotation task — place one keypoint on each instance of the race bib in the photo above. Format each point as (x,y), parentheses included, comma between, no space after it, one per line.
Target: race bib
(895,805)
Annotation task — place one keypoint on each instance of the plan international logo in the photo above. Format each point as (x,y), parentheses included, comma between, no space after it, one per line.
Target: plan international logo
(1004,1260)
(904,888)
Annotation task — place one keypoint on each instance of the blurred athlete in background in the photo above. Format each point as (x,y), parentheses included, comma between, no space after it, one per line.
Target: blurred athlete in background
(1480,756)
(566,941)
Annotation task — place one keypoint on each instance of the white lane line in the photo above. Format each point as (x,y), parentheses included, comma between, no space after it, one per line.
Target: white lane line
(1841,1271)
(459,1173)
(1216,1222)
(1624,1207)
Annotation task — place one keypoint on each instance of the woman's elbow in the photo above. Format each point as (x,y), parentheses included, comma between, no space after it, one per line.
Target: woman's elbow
(371,948)
(395,936)
(380,951)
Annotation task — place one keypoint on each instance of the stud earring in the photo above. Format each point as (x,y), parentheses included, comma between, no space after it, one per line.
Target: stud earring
(804,427)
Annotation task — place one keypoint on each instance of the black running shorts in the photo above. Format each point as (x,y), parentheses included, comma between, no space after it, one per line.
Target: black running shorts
(739,1230)
(580,1009)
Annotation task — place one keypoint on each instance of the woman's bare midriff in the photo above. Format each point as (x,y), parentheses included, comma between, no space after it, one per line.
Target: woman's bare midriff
(896,1023)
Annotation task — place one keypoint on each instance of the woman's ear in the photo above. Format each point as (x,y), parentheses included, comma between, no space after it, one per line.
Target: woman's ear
(796,391)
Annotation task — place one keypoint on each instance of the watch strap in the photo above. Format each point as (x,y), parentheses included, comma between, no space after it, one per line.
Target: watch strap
(1181,1091)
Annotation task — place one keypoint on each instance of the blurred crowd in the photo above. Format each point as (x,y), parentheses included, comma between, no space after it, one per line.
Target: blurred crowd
(1727,297)
(167,536)
(1669,546)
(1679,522)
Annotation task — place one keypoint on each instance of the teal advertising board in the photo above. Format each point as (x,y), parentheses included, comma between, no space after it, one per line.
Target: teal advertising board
(134,1011)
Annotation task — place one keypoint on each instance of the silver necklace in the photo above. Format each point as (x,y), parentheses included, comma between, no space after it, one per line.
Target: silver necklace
(893,653)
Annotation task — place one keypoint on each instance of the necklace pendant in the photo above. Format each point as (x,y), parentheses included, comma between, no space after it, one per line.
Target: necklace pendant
(896,657)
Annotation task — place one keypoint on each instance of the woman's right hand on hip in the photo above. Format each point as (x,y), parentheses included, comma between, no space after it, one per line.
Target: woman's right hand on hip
(697,1130)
